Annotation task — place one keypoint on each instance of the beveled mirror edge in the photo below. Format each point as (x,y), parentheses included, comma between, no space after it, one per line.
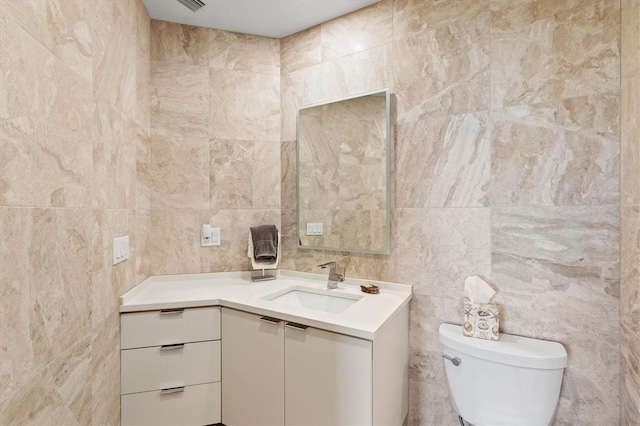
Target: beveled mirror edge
(388,148)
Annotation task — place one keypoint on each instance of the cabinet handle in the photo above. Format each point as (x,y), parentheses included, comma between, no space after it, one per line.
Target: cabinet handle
(296,326)
(172,312)
(270,320)
(168,391)
(170,347)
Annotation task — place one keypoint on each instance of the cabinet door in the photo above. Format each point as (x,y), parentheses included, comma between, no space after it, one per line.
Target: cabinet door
(252,369)
(328,378)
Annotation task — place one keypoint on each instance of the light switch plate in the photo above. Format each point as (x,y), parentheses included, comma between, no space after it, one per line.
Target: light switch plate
(315,228)
(120,249)
(215,236)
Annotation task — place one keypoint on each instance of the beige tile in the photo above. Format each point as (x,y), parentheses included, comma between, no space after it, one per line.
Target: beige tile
(179,100)
(548,254)
(299,88)
(630,376)
(300,50)
(360,265)
(114,158)
(60,274)
(443,162)
(243,52)
(115,419)
(629,40)
(288,231)
(357,31)
(64,28)
(244,105)
(245,174)
(143,68)
(629,110)
(179,172)
(103,292)
(288,197)
(360,72)
(443,68)
(234,227)
(556,273)
(128,9)
(551,50)
(45,124)
(630,134)
(143,169)
(417,17)
(59,394)
(630,266)
(17,358)
(105,370)
(183,44)
(318,190)
(140,244)
(114,57)
(436,249)
(557,153)
(178,251)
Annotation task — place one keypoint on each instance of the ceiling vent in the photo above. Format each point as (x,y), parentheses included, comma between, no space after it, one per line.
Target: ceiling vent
(193,5)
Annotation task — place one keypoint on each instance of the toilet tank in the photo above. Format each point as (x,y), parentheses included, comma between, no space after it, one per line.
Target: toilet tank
(512,381)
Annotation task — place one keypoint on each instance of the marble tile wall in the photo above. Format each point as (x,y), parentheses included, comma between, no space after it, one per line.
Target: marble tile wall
(506,165)
(74,149)
(215,144)
(630,214)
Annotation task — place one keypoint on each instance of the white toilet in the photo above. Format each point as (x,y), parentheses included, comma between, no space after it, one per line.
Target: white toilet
(512,381)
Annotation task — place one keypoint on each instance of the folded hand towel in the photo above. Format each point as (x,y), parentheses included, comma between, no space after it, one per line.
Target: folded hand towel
(265,243)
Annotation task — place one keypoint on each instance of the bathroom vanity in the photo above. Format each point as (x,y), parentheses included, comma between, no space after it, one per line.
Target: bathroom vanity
(218,348)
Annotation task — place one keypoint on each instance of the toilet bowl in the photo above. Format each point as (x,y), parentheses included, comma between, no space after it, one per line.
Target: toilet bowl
(513,381)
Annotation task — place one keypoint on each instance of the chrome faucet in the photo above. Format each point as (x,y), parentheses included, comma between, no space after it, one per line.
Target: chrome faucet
(334,278)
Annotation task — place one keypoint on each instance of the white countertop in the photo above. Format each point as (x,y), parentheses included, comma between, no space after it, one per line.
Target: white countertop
(236,290)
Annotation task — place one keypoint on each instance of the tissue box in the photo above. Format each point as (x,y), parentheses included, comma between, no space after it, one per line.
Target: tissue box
(481,321)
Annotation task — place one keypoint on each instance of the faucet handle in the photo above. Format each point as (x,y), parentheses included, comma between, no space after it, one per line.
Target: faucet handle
(331,265)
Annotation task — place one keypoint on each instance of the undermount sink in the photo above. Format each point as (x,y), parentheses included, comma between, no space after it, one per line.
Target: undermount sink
(310,298)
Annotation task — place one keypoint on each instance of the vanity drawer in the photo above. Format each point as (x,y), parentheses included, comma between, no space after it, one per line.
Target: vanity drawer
(161,367)
(193,405)
(156,328)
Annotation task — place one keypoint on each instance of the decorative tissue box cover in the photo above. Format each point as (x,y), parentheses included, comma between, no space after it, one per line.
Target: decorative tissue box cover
(481,321)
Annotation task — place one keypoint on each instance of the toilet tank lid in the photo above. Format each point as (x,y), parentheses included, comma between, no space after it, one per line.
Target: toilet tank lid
(511,350)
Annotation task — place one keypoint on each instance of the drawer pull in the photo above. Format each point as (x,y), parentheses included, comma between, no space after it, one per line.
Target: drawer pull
(270,320)
(168,391)
(296,326)
(170,347)
(172,312)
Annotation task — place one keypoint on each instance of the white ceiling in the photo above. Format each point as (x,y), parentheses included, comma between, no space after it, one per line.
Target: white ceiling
(270,18)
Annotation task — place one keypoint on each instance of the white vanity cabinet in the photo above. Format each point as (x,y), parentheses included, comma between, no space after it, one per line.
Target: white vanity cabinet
(171,367)
(328,378)
(253,369)
(276,372)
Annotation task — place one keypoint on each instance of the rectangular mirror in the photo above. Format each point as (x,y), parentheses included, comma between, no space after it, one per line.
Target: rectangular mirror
(343,174)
